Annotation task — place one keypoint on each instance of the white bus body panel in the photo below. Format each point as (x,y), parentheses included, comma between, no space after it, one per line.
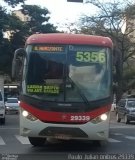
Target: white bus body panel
(99,131)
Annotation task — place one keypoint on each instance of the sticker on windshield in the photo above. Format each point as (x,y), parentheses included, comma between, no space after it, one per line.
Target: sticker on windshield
(48,89)
(93,57)
(51,89)
(34,88)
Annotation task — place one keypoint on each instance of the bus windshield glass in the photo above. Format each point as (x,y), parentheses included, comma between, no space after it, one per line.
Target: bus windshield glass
(64,73)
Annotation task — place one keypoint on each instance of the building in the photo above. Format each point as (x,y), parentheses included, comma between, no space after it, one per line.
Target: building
(21,16)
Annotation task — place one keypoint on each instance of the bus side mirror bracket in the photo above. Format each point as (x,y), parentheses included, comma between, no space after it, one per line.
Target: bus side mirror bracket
(17,63)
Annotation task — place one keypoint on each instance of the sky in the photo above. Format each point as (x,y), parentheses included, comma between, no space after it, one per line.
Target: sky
(62,12)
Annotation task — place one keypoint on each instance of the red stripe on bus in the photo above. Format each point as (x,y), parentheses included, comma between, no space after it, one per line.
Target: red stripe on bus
(50,116)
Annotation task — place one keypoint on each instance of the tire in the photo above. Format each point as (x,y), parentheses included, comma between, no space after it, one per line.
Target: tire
(118,118)
(35,141)
(2,120)
(126,120)
(100,143)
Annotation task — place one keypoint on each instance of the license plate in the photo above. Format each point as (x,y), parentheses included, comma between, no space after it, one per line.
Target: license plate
(62,136)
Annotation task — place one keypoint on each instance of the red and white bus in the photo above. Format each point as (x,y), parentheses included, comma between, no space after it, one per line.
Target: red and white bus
(66,87)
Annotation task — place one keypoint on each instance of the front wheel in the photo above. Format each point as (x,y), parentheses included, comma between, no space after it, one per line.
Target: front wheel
(100,143)
(2,120)
(126,120)
(36,141)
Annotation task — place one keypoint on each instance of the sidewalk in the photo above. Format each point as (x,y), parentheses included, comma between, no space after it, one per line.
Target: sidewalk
(113,117)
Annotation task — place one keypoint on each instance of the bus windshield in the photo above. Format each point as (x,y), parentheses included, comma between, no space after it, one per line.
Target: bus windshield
(67,73)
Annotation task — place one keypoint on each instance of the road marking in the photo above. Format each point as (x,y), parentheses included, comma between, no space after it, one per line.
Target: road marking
(118,134)
(121,127)
(113,140)
(2,141)
(7,128)
(23,140)
(130,137)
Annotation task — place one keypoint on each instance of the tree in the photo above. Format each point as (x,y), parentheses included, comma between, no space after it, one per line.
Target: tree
(38,19)
(4,43)
(10,24)
(13,3)
(109,21)
(20,30)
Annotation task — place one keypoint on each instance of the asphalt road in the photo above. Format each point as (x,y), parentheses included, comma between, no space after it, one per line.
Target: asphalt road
(121,144)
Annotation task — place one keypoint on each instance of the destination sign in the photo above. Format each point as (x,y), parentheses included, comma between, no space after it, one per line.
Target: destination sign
(48,48)
(48,89)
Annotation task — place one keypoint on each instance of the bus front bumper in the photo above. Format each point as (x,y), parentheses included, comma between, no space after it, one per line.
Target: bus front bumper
(88,131)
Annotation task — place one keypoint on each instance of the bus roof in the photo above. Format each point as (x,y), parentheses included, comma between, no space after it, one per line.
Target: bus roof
(65,38)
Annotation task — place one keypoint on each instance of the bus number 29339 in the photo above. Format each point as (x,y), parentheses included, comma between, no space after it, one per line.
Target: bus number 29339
(80,118)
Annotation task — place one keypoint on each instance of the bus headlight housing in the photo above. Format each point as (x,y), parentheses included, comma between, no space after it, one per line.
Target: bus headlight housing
(102,117)
(28,115)
(25,113)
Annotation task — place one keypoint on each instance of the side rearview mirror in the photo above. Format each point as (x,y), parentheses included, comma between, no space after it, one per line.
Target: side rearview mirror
(17,63)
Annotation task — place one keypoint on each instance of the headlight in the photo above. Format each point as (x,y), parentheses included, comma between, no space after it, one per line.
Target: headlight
(100,118)
(25,113)
(7,107)
(28,115)
(103,117)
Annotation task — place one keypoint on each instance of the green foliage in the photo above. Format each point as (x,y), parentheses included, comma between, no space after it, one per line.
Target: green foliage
(38,18)
(13,3)
(108,21)
(48,28)
(20,30)
(5,56)
(4,44)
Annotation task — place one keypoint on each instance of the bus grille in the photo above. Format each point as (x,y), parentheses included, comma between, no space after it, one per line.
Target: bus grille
(73,132)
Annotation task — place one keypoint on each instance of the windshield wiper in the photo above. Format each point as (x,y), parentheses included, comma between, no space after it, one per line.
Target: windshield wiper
(82,95)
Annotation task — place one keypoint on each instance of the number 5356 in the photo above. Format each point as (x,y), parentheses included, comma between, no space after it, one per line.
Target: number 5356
(90,57)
